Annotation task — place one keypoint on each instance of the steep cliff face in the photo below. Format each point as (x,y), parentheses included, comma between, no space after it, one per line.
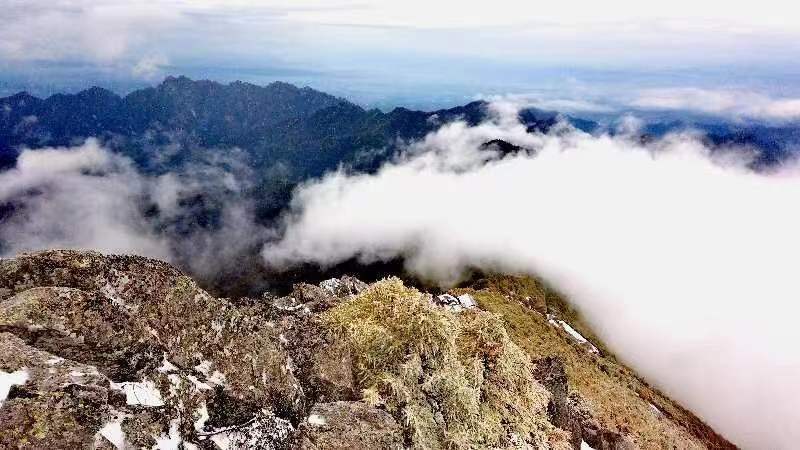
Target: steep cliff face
(126,352)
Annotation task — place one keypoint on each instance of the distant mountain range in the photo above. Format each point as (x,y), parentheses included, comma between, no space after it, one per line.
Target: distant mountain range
(307,129)
(297,132)
(286,133)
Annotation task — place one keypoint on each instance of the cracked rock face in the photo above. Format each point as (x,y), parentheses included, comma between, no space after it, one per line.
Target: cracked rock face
(134,341)
(349,425)
(114,351)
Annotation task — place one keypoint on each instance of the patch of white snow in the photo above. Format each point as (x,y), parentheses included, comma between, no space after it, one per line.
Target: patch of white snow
(166,366)
(316,419)
(8,379)
(171,441)
(142,393)
(578,337)
(467,301)
(574,333)
(112,431)
(217,378)
(199,385)
(222,440)
(202,419)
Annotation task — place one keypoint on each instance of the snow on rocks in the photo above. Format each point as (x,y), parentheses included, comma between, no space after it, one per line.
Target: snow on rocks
(202,418)
(331,285)
(343,287)
(577,337)
(456,303)
(171,441)
(316,419)
(112,432)
(656,410)
(142,393)
(166,366)
(8,379)
(263,431)
(467,301)
(216,377)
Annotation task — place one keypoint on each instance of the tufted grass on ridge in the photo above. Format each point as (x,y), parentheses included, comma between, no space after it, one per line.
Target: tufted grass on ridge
(454,380)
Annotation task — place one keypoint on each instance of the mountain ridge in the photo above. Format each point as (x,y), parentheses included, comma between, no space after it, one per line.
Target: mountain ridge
(235,114)
(116,351)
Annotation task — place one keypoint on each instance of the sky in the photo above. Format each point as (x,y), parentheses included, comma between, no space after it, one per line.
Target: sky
(411,53)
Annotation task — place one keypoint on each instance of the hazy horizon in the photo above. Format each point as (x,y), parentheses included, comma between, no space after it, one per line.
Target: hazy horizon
(418,55)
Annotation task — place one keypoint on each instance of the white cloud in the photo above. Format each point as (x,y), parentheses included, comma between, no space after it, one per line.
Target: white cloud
(731,103)
(684,265)
(150,67)
(681,15)
(90,198)
(103,32)
(620,33)
(565,105)
(83,197)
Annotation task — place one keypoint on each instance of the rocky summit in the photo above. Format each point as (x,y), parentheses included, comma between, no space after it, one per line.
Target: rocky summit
(126,352)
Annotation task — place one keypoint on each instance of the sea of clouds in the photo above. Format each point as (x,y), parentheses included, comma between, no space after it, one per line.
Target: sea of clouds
(679,256)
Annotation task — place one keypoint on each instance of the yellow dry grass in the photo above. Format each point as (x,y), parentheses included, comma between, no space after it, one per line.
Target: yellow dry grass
(455,380)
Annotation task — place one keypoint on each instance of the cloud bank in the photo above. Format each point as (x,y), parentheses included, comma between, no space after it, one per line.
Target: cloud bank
(87,197)
(681,259)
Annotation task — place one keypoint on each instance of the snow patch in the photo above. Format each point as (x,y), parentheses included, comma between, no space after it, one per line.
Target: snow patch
(456,303)
(467,301)
(258,431)
(222,440)
(585,446)
(142,393)
(216,377)
(573,333)
(166,366)
(8,379)
(199,385)
(171,441)
(204,367)
(656,409)
(111,292)
(200,423)
(578,337)
(316,419)
(112,431)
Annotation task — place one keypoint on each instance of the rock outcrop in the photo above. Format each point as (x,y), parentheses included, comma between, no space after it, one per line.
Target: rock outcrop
(127,352)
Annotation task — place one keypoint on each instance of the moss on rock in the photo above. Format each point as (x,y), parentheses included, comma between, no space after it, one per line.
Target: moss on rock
(454,380)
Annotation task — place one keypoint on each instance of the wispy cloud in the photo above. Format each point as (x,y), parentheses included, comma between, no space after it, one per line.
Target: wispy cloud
(729,103)
(88,197)
(359,36)
(559,104)
(150,67)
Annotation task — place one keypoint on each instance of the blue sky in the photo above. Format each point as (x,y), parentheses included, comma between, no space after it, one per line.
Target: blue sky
(418,53)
